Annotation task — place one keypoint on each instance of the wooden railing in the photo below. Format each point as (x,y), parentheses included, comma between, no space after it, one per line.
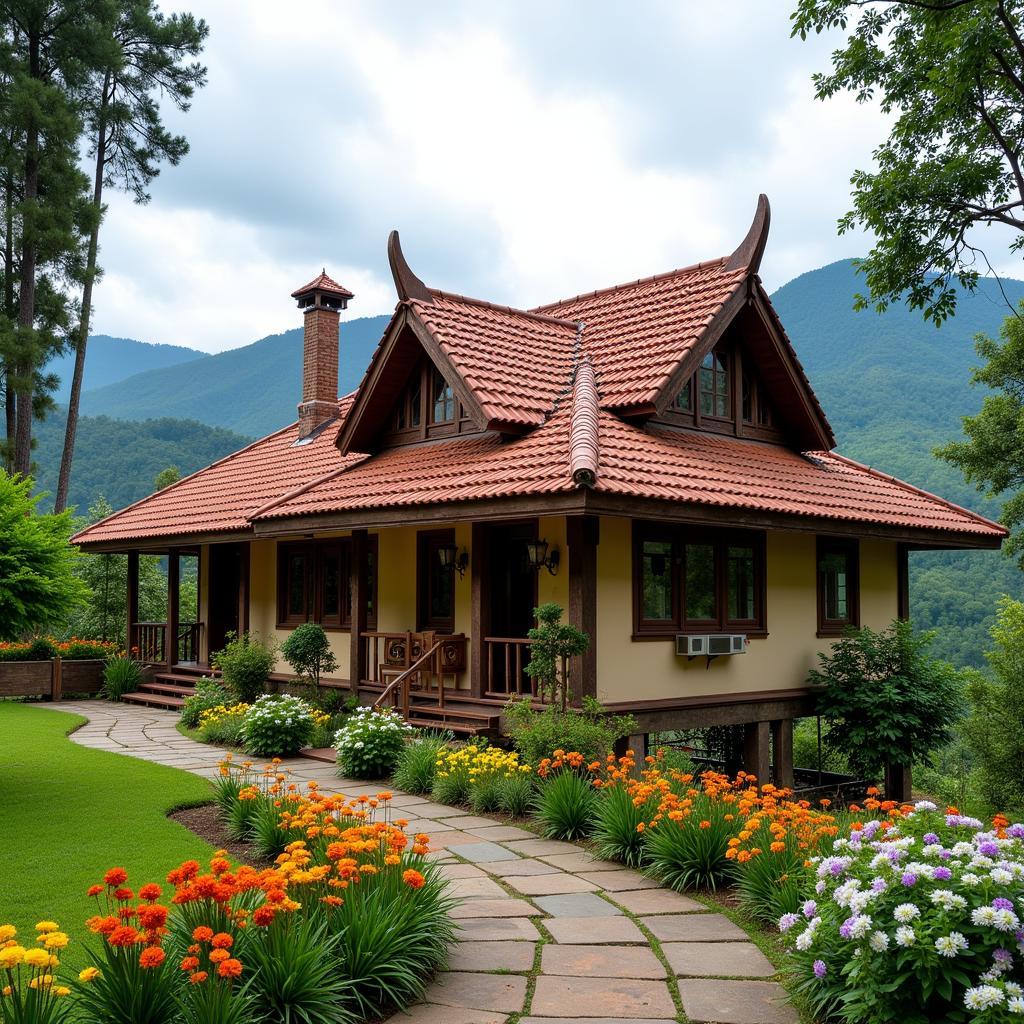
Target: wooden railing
(398,690)
(150,640)
(506,657)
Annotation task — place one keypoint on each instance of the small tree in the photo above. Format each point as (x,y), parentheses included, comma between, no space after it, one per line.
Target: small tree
(246,663)
(167,476)
(995,729)
(885,699)
(309,653)
(38,585)
(552,644)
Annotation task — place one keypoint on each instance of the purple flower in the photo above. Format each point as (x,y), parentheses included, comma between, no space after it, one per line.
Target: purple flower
(945,854)
(942,874)
(810,908)
(1002,956)
(930,838)
(1015,831)
(787,921)
(878,885)
(909,879)
(1002,903)
(820,970)
(836,868)
(846,928)
(989,848)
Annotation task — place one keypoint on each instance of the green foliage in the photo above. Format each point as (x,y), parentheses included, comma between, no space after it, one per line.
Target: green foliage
(516,793)
(39,648)
(277,725)
(309,653)
(265,832)
(167,476)
(453,788)
(38,586)
(209,694)
(245,663)
(886,700)
(588,730)
(805,748)
(951,160)
(992,457)
(995,729)
(224,730)
(686,856)
(239,819)
(565,806)
(417,762)
(324,732)
(616,832)
(121,674)
(552,644)
(370,743)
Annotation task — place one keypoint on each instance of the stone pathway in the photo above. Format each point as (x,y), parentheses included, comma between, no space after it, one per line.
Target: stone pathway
(547,933)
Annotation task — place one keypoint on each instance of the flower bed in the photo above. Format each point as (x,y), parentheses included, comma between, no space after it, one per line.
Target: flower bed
(349,923)
(47,668)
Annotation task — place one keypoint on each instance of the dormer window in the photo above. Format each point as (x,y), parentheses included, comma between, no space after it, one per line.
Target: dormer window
(684,400)
(426,408)
(714,385)
(443,400)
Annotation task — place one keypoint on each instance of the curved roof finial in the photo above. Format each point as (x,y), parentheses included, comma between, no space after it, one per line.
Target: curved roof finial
(749,252)
(407,284)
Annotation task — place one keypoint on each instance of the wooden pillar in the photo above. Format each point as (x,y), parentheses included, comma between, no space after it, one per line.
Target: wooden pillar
(902,582)
(898,782)
(243,587)
(479,620)
(56,679)
(133,600)
(637,746)
(755,750)
(173,609)
(583,534)
(359,570)
(782,752)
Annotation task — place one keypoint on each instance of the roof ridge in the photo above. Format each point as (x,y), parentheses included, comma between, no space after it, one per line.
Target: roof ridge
(915,490)
(301,489)
(584,444)
(533,314)
(692,268)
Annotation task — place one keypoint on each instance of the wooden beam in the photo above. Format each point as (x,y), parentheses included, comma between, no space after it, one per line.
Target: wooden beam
(133,599)
(755,750)
(173,606)
(243,587)
(359,588)
(479,619)
(902,582)
(583,534)
(782,752)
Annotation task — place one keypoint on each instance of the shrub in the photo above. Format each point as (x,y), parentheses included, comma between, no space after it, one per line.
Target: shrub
(805,749)
(325,727)
(277,725)
(309,653)
(209,694)
(885,699)
(245,663)
(473,774)
(587,730)
(121,674)
(552,644)
(914,920)
(223,724)
(369,743)
(77,649)
(516,794)
(567,800)
(417,762)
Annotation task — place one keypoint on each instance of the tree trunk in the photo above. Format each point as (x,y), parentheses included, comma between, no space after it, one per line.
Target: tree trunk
(27,289)
(10,395)
(64,478)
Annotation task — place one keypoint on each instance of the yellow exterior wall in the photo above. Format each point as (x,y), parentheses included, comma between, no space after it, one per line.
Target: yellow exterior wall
(650,669)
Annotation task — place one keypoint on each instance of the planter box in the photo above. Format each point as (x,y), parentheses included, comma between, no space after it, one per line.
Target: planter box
(50,678)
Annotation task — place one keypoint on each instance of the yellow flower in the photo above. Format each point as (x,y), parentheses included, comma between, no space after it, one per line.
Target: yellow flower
(47,926)
(62,990)
(37,958)
(54,940)
(7,931)
(11,956)
(88,974)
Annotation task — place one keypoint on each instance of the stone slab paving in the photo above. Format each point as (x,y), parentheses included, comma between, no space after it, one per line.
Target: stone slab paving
(592,921)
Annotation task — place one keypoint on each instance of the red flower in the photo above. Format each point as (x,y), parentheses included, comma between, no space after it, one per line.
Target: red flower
(150,892)
(263,916)
(116,876)
(94,890)
(152,916)
(123,935)
(222,941)
(203,933)
(230,968)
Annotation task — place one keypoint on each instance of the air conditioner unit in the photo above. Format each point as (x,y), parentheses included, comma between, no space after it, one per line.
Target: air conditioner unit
(710,644)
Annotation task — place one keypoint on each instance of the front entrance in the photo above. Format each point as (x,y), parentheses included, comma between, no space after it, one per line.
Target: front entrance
(508,602)
(229,569)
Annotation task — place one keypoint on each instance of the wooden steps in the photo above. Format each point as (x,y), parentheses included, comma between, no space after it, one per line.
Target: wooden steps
(462,716)
(170,688)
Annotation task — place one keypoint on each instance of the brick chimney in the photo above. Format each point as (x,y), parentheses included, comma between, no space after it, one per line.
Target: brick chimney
(321,300)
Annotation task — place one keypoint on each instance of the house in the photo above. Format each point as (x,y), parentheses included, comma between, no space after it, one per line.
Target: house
(651,456)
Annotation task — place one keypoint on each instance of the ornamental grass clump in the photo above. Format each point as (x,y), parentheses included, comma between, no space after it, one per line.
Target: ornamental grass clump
(479,775)
(915,916)
(369,743)
(567,800)
(121,674)
(278,725)
(417,762)
(619,819)
(223,724)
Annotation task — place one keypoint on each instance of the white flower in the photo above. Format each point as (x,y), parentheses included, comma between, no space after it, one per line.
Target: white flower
(1006,921)
(1000,876)
(982,997)
(1013,989)
(860,927)
(925,805)
(1015,1004)
(947,900)
(804,939)
(951,944)
(905,936)
(969,878)
(879,942)
(906,912)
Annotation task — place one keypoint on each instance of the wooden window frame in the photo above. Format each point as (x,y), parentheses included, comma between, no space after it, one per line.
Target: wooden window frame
(427,561)
(316,553)
(426,373)
(727,355)
(721,540)
(850,547)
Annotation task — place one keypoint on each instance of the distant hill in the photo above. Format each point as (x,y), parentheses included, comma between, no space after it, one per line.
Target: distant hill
(894,388)
(252,390)
(119,459)
(109,360)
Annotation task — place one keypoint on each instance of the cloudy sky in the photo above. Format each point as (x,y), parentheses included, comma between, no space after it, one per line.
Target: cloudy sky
(526,149)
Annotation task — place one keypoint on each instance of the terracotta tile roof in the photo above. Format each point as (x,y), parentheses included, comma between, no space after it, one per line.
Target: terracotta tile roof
(222,496)
(515,362)
(324,283)
(637,333)
(584,443)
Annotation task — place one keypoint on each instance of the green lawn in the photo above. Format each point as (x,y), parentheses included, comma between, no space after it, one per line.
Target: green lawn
(68,813)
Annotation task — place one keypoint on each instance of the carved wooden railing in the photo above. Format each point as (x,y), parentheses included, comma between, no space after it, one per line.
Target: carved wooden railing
(188,640)
(398,690)
(506,657)
(150,641)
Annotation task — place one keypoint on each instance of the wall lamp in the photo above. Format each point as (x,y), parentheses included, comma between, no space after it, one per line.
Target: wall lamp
(538,557)
(452,558)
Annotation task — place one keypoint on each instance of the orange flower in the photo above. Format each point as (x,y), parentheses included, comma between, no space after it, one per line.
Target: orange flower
(203,933)
(150,892)
(123,935)
(230,968)
(152,916)
(94,890)
(413,879)
(123,893)
(115,876)
(219,956)
(705,824)
(151,956)
(198,977)
(222,941)
(189,963)
(263,916)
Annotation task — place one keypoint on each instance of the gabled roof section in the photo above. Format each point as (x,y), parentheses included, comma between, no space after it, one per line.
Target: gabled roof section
(323,282)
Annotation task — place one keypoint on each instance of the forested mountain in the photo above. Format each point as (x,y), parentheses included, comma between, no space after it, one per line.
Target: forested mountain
(109,360)
(895,387)
(252,390)
(119,459)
